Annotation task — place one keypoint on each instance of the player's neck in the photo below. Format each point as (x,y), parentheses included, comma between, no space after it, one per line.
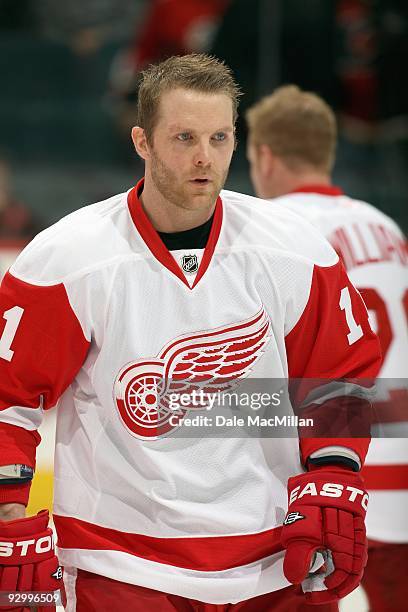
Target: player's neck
(289,182)
(168,217)
(306,179)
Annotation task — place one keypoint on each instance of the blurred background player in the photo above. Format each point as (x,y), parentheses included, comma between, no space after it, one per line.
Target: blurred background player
(291,151)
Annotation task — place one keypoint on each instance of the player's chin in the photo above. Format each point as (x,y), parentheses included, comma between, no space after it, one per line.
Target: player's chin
(201,202)
(203,194)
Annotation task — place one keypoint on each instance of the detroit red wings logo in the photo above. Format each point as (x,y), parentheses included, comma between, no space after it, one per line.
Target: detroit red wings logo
(209,360)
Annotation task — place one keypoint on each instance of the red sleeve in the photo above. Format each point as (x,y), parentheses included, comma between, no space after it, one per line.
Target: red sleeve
(42,347)
(332,340)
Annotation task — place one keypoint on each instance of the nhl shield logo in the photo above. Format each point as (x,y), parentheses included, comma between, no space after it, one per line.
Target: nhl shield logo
(189,264)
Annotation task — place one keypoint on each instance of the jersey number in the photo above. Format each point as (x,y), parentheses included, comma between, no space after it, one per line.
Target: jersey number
(356,331)
(13,318)
(375,303)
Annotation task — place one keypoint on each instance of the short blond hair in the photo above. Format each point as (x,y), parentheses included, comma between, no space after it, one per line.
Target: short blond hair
(196,71)
(297,126)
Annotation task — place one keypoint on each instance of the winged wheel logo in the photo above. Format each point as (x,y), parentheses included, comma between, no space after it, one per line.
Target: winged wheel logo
(210,360)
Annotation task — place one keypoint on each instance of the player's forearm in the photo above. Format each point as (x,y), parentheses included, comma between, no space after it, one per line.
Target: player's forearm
(9,512)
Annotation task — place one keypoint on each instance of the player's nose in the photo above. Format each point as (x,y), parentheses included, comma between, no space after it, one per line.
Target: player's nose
(202,155)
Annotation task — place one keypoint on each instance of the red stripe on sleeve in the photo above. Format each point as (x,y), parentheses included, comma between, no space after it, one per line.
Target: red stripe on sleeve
(18,445)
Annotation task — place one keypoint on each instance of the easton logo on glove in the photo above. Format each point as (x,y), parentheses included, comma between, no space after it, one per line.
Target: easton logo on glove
(292,517)
(329,489)
(42,545)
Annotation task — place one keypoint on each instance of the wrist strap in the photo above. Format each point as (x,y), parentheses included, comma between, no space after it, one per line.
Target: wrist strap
(336,460)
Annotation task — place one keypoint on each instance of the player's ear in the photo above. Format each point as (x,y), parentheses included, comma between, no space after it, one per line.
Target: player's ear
(140,142)
(267,160)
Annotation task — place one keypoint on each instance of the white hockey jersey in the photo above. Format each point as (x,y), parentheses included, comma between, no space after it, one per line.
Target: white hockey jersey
(374,251)
(96,312)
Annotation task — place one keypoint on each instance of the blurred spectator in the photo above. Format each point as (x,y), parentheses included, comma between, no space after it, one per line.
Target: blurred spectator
(86,25)
(171,27)
(356,62)
(16,220)
(371,57)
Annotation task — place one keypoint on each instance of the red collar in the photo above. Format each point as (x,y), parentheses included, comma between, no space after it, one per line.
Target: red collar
(155,244)
(323,189)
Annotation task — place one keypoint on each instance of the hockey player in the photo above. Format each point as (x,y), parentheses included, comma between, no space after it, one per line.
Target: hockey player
(292,140)
(178,281)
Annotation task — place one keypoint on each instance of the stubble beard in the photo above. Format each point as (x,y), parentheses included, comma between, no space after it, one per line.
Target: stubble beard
(171,188)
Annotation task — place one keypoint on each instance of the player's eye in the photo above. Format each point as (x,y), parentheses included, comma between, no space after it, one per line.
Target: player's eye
(220,136)
(184,136)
